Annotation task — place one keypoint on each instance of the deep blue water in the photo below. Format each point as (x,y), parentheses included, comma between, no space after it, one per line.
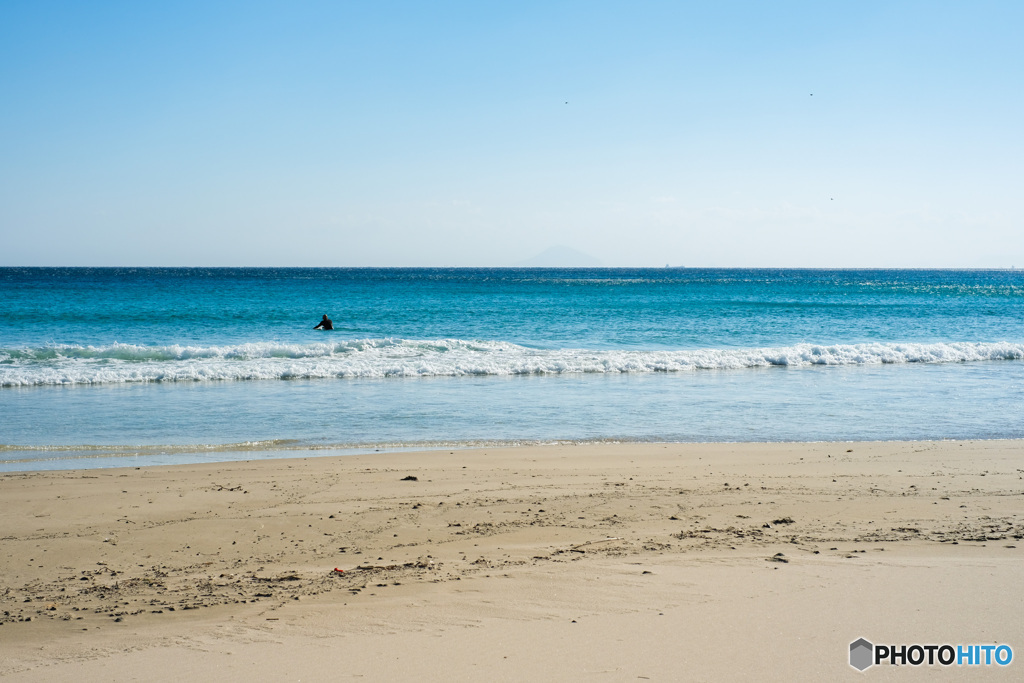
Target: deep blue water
(172,365)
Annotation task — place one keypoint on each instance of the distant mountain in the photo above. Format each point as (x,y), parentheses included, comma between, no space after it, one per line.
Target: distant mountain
(560,257)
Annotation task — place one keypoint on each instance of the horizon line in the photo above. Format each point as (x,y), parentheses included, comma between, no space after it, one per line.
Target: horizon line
(449,267)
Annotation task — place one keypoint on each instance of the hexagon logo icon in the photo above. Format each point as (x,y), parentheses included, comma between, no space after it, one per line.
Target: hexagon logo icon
(861,654)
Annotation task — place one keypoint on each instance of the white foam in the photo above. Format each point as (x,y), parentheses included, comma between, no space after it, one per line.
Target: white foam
(378,358)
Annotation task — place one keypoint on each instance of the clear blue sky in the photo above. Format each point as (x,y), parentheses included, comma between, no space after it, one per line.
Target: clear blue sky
(480,133)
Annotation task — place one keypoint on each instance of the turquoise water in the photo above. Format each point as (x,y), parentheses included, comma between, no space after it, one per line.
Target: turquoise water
(104,367)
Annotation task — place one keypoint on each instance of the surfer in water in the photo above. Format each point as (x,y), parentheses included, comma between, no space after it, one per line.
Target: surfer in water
(325,324)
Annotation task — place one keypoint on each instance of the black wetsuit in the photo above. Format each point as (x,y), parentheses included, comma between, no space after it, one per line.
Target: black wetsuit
(325,324)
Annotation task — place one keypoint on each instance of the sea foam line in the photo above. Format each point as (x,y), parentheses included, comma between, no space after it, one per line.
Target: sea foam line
(379,358)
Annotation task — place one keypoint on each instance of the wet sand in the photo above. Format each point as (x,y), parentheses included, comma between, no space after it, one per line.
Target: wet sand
(603,562)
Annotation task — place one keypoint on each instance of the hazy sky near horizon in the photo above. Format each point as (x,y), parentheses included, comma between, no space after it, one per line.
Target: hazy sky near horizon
(805,134)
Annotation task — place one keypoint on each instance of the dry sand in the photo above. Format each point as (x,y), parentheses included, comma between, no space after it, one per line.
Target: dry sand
(596,562)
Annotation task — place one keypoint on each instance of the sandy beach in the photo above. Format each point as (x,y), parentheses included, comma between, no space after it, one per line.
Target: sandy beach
(568,562)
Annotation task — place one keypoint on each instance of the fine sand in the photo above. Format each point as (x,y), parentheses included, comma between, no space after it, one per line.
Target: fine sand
(598,562)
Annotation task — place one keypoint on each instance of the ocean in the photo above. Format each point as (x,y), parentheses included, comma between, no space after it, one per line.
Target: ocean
(103,367)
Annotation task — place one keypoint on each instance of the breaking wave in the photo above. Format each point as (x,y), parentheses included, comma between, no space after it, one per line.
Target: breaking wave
(379,358)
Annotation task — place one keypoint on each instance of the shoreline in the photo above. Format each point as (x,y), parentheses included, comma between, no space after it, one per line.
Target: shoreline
(286,453)
(611,558)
